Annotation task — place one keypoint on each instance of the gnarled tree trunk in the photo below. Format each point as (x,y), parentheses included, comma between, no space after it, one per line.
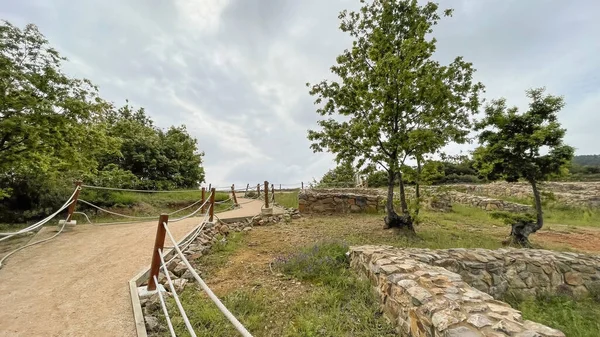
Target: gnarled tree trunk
(521,230)
(392,219)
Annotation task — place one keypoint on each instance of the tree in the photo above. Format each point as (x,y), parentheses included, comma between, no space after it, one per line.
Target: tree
(392,100)
(341,176)
(513,147)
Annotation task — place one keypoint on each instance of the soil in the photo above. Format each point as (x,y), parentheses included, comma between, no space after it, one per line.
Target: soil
(579,239)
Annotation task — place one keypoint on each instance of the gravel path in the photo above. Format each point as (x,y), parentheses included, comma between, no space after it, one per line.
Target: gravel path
(76,284)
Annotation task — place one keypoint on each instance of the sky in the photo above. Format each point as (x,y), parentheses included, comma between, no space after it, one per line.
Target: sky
(235,71)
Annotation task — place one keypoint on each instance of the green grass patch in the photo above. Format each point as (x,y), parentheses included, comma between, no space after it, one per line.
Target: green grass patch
(336,303)
(221,251)
(287,199)
(574,317)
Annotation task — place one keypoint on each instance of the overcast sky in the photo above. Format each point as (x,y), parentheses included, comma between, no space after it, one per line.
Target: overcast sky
(234,71)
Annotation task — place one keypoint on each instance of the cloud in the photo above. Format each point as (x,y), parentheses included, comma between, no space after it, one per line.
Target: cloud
(234,71)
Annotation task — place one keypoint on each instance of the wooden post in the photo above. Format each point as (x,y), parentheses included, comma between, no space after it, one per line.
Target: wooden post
(203,200)
(75,198)
(212,204)
(266,194)
(159,243)
(233,193)
(258,190)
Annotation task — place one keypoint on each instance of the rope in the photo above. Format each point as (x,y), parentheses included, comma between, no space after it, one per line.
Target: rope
(205,201)
(222,201)
(43,221)
(39,224)
(239,327)
(32,244)
(85,215)
(118,214)
(140,191)
(164,308)
(175,297)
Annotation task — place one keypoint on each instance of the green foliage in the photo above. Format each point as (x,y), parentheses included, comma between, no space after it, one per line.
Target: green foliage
(341,176)
(512,143)
(377,179)
(55,129)
(511,218)
(393,100)
(587,160)
(287,199)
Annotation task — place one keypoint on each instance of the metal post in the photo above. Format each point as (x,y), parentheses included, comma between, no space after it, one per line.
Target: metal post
(233,193)
(273,192)
(279,187)
(266,194)
(302,185)
(159,243)
(203,200)
(247,187)
(258,190)
(209,187)
(75,198)
(212,204)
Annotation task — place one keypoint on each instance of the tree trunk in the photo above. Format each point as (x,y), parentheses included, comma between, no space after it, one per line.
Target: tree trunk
(521,230)
(417,187)
(403,203)
(392,219)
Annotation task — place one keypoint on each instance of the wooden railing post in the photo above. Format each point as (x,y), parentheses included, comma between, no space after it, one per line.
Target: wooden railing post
(212,204)
(159,243)
(203,200)
(273,192)
(233,194)
(75,198)
(266,194)
(258,190)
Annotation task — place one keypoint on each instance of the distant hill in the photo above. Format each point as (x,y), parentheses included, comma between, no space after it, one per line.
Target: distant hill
(587,160)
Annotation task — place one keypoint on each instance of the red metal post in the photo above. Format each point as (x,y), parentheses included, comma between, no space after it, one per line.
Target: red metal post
(212,204)
(233,194)
(75,198)
(266,194)
(159,243)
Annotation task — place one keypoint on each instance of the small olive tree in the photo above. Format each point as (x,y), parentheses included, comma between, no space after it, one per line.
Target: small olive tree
(523,146)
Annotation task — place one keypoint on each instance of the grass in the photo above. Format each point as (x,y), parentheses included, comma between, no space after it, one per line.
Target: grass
(287,199)
(141,204)
(336,302)
(574,317)
(221,251)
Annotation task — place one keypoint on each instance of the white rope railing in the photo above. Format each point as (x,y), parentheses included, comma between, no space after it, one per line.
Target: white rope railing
(41,222)
(174,293)
(117,214)
(164,308)
(239,327)
(137,191)
(32,244)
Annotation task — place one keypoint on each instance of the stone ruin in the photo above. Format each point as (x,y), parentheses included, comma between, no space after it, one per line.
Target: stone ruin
(453,292)
(341,200)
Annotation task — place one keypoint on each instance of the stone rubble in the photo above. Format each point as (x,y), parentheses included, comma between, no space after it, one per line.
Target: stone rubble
(451,292)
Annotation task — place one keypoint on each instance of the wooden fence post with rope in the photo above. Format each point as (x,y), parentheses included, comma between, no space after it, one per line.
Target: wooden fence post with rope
(212,205)
(159,243)
(75,198)
(266,194)
(203,200)
(235,203)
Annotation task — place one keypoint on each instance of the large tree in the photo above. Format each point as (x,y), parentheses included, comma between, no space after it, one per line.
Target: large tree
(391,99)
(527,145)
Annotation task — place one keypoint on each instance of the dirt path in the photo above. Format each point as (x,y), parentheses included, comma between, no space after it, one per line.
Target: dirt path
(76,284)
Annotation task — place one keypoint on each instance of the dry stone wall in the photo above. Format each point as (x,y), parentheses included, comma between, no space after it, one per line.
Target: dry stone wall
(451,292)
(486,203)
(569,193)
(339,201)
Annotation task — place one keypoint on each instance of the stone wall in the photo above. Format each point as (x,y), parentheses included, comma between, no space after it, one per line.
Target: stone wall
(569,193)
(449,292)
(339,201)
(486,203)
